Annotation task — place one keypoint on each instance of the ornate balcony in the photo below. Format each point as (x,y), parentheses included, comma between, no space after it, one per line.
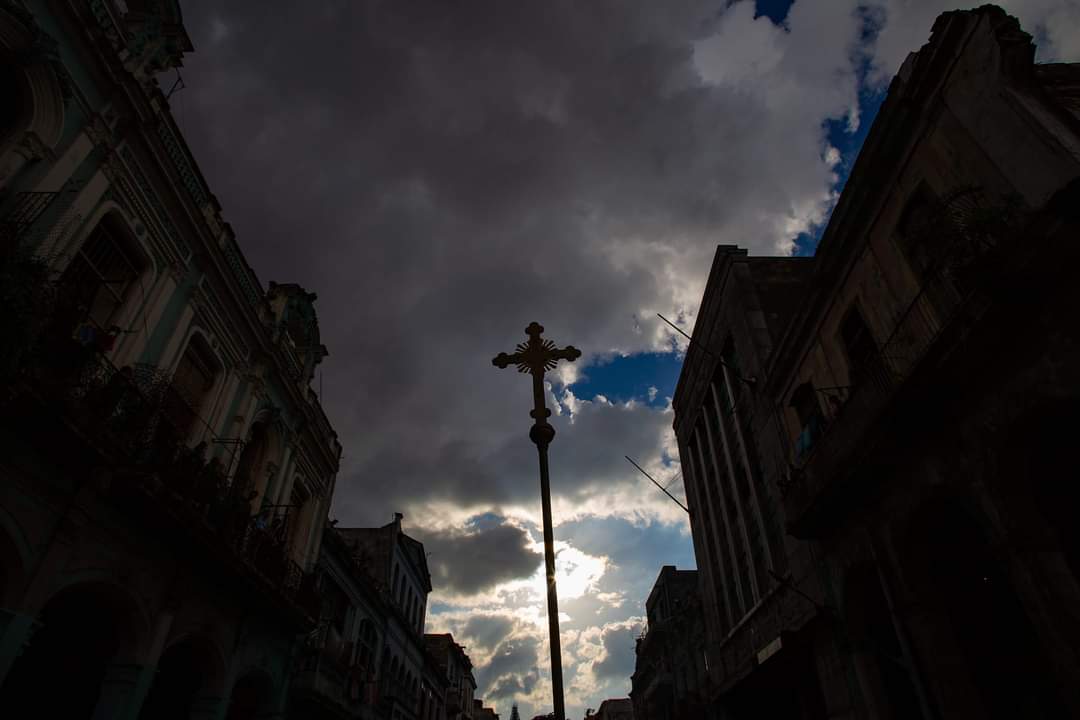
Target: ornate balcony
(883,399)
(130,426)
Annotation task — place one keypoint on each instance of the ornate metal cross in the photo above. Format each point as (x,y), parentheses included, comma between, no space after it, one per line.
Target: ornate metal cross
(536,357)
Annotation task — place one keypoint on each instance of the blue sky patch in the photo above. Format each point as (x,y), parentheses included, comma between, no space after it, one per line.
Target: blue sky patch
(630,377)
(836,129)
(775,10)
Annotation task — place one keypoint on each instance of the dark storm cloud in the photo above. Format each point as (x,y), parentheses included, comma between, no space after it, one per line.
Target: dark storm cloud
(444,173)
(618,661)
(512,669)
(511,686)
(486,631)
(470,560)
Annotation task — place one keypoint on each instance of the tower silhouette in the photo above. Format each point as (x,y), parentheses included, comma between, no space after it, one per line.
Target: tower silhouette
(514,713)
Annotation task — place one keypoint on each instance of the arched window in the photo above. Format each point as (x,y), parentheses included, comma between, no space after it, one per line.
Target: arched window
(300,510)
(365,655)
(101,278)
(253,470)
(811,421)
(194,378)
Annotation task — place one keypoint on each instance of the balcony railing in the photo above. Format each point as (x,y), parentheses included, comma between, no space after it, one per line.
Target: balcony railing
(938,303)
(26,207)
(137,423)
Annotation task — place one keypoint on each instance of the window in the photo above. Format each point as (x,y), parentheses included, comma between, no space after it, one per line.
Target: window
(101,275)
(298,519)
(916,228)
(192,382)
(860,347)
(805,402)
(252,459)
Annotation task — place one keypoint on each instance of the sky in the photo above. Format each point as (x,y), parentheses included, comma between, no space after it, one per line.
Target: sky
(443,173)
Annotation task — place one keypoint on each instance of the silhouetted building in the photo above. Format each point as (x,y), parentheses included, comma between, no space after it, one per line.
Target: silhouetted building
(410,683)
(912,412)
(731,452)
(670,679)
(167,468)
(342,666)
(614,709)
(456,669)
(483,713)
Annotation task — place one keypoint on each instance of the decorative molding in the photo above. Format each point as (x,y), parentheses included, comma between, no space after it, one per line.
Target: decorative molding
(155,209)
(176,151)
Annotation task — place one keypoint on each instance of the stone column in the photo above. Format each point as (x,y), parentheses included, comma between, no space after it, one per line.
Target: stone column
(279,484)
(123,691)
(16,630)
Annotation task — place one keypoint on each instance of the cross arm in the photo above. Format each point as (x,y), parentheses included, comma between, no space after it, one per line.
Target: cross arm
(503,361)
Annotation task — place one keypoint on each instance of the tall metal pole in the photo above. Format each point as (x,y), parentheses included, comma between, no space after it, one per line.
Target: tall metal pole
(542,434)
(535,357)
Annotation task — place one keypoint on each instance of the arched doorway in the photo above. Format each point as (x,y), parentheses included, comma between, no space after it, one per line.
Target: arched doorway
(187,670)
(250,697)
(82,631)
(985,636)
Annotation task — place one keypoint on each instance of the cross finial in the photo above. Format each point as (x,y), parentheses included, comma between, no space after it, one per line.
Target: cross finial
(535,357)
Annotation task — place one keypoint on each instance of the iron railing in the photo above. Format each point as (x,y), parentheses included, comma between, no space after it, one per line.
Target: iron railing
(137,421)
(880,376)
(25,209)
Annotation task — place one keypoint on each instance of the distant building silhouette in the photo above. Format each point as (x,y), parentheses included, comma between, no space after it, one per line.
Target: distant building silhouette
(874,441)
(670,678)
(456,669)
(614,709)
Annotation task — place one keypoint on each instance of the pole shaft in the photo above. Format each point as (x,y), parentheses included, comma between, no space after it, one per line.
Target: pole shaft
(552,596)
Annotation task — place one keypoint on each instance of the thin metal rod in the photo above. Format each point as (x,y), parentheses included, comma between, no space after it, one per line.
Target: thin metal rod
(662,488)
(680,331)
(674,480)
(748,380)
(786,582)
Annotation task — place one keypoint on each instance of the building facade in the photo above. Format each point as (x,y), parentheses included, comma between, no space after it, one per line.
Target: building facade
(670,679)
(732,461)
(480,712)
(614,709)
(917,398)
(410,685)
(456,668)
(167,467)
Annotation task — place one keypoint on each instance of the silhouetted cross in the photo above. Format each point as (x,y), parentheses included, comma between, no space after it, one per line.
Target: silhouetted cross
(536,357)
